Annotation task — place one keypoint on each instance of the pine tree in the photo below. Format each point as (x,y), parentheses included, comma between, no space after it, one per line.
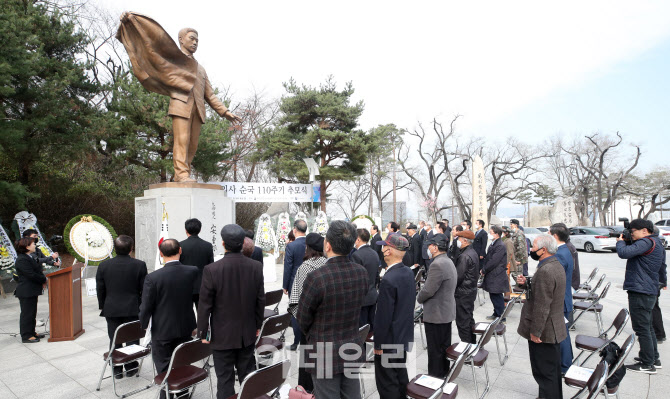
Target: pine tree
(317,123)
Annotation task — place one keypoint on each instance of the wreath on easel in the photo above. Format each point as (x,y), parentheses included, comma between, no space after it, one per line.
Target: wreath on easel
(90,239)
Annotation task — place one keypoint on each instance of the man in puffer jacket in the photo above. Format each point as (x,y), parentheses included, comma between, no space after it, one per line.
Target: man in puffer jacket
(467,275)
(645,257)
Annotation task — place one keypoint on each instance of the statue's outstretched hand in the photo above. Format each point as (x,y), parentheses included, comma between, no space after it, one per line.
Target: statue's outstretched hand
(232,117)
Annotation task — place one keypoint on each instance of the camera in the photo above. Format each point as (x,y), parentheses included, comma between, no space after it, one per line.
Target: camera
(627,237)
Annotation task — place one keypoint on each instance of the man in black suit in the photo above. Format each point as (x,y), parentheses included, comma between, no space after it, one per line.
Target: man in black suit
(415,247)
(368,258)
(394,321)
(119,282)
(446,230)
(167,301)
(494,270)
(374,232)
(233,295)
(481,240)
(422,230)
(293,257)
(195,252)
(257,255)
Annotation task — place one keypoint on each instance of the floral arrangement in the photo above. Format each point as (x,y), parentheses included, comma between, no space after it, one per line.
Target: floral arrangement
(265,236)
(6,259)
(89,236)
(363,222)
(283,229)
(302,216)
(7,253)
(321,223)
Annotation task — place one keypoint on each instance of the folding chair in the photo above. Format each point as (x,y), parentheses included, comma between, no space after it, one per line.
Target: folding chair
(266,346)
(588,343)
(418,319)
(124,333)
(595,383)
(476,356)
(590,306)
(363,334)
(588,295)
(272,298)
(419,279)
(585,285)
(264,383)
(625,351)
(416,391)
(181,375)
(500,329)
(481,297)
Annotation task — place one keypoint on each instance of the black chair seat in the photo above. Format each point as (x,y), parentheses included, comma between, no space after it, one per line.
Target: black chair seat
(517,289)
(480,358)
(182,377)
(500,329)
(417,391)
(589,343)
(585,305)
(583,296)
(266,343)
(581,384)
(121,358)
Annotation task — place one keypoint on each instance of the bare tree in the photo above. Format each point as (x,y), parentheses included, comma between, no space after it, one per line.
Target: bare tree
(604,164)
(351,196)
(650,192)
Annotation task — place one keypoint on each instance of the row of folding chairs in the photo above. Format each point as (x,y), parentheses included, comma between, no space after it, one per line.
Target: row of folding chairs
(181,374)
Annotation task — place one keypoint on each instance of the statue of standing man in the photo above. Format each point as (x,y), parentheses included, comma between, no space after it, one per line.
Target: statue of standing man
(166,69)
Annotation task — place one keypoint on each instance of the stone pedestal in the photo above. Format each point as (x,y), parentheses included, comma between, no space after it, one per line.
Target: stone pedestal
(206,202)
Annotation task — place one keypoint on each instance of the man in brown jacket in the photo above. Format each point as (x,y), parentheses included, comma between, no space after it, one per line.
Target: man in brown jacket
(542,321)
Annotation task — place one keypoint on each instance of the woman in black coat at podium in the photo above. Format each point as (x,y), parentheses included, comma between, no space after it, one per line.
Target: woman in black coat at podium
(31,283)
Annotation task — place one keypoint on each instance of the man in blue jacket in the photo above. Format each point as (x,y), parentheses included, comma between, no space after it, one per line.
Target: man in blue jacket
(645,258)
(394,320)
(564,256)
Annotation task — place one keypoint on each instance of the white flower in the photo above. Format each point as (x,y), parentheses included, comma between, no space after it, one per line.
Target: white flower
(94,238)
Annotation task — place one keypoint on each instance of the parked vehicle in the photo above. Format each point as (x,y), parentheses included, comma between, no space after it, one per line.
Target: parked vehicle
(663,222)
(592,239)
(543,229)
(664,234)
(532,233)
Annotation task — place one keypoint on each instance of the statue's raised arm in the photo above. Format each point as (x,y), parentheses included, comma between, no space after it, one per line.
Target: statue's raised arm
(165,68)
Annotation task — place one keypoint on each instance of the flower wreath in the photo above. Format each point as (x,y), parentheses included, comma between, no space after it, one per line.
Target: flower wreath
(93,232)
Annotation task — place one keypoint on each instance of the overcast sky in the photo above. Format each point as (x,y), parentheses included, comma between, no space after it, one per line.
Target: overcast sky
(524,68)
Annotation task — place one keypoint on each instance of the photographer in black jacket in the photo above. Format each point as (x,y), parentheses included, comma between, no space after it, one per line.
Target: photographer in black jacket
(645,260)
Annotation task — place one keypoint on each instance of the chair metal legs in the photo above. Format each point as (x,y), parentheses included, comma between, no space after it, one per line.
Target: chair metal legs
(103,374)
(474,378)
(481,298)
(423,341)
(501,358)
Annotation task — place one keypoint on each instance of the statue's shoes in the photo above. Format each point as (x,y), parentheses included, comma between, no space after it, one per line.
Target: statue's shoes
(186,180)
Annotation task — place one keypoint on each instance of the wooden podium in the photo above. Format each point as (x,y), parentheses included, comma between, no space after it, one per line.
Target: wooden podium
(65,313)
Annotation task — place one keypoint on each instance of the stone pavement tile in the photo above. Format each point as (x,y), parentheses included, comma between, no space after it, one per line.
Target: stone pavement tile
(64,390)
(59,349)
(82,367)
(518,382)
(92,338)
(32,379)
(26,358)
(498,392)
(123,385)
(5,392)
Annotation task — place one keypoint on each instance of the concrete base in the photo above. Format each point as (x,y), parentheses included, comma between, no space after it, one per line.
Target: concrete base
(206,202)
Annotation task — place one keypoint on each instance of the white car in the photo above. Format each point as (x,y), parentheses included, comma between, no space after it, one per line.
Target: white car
(592,239)
(531,233)
(664,232)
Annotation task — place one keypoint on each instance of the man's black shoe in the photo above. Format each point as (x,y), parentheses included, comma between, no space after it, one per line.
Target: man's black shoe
(492,317)
(660,340)
(131,373)
(118,373)
(657,363)
(294,347)
(641,368)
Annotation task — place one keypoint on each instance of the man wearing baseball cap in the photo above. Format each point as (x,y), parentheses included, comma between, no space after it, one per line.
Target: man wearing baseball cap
(394,320)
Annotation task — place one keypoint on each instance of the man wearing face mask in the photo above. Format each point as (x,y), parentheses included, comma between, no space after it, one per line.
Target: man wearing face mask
(494,270)
(542,320)
(439,306)
(454,249)
(394,320)
(466,225)
(467,275)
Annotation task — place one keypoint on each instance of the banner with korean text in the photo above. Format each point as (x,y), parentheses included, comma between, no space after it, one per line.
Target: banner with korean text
(270,192)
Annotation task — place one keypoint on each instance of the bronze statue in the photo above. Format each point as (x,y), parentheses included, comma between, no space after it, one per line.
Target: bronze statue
(166,69)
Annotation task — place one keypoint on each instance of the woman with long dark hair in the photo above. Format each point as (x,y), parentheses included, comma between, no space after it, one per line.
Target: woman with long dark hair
(31,283)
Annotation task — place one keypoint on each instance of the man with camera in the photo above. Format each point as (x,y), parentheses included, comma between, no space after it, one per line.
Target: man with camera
(645,257)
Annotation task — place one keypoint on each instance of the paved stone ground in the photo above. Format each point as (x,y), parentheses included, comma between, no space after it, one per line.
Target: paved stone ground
(71,369)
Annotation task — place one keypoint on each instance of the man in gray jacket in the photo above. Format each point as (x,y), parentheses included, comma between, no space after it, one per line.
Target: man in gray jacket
(542,321)
(439,305)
